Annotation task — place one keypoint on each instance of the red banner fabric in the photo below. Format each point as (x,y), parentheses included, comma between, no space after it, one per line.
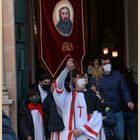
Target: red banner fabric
(61,34)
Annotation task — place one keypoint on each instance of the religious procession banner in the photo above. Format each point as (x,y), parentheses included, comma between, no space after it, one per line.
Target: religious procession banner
(61,34)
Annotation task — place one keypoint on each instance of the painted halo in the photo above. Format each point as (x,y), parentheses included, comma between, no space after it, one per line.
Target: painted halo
(58,6)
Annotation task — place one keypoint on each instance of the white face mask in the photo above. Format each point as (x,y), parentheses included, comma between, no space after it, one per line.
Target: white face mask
(107,68)
(81,83)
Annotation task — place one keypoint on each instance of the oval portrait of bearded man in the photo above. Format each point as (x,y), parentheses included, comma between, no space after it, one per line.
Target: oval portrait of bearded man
(63,16)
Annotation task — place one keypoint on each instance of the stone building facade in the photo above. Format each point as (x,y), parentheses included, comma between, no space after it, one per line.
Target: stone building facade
(9,73)
(8,60)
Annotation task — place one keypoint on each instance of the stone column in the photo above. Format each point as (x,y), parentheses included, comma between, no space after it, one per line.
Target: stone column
(9,57)
(131,34)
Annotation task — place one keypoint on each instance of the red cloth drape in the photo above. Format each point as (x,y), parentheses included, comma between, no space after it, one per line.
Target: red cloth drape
(36,107)
(50,49)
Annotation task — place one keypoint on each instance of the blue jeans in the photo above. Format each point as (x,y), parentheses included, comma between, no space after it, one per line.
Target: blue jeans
(130,120)
(119,127)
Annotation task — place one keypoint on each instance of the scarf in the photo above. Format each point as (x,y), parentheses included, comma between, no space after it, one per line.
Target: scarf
(37,115)
(36,107)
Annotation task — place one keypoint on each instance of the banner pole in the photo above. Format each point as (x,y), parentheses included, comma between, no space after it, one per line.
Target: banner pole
(72,90)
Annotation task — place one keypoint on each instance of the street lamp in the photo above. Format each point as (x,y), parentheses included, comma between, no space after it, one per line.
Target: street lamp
(114,53)
(105,50)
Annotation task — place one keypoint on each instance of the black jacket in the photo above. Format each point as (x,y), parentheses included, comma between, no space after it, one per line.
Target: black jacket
(93,102)
(51,115)
(26,127)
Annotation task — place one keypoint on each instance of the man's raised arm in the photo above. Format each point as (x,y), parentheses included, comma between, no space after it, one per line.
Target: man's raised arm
(59,92)
(61,78)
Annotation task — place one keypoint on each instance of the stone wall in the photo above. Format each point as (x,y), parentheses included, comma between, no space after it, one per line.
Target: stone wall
(9,65)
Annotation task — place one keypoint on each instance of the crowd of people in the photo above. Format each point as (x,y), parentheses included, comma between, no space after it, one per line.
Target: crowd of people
(98,105)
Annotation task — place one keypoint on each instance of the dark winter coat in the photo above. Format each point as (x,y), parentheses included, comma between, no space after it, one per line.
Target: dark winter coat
(51,116)
(7,130)
(113,88)
(26,127)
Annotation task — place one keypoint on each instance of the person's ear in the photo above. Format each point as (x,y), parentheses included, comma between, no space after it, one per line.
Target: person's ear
(40,83)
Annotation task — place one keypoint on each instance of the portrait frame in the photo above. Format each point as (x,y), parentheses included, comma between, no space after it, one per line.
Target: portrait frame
(56,18)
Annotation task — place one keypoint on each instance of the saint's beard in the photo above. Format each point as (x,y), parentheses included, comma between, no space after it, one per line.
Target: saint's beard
(65,21)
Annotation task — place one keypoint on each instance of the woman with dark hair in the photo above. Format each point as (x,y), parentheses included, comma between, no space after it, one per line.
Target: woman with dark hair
(31,118)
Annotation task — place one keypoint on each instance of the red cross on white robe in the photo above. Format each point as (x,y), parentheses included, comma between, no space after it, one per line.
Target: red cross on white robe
(80,107)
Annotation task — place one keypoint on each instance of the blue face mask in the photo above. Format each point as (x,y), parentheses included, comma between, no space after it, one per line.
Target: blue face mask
(35,100)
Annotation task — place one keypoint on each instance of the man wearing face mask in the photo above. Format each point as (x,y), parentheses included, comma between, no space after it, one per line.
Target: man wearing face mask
(53,122)
(81,123)
(113,89)
(44,86)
